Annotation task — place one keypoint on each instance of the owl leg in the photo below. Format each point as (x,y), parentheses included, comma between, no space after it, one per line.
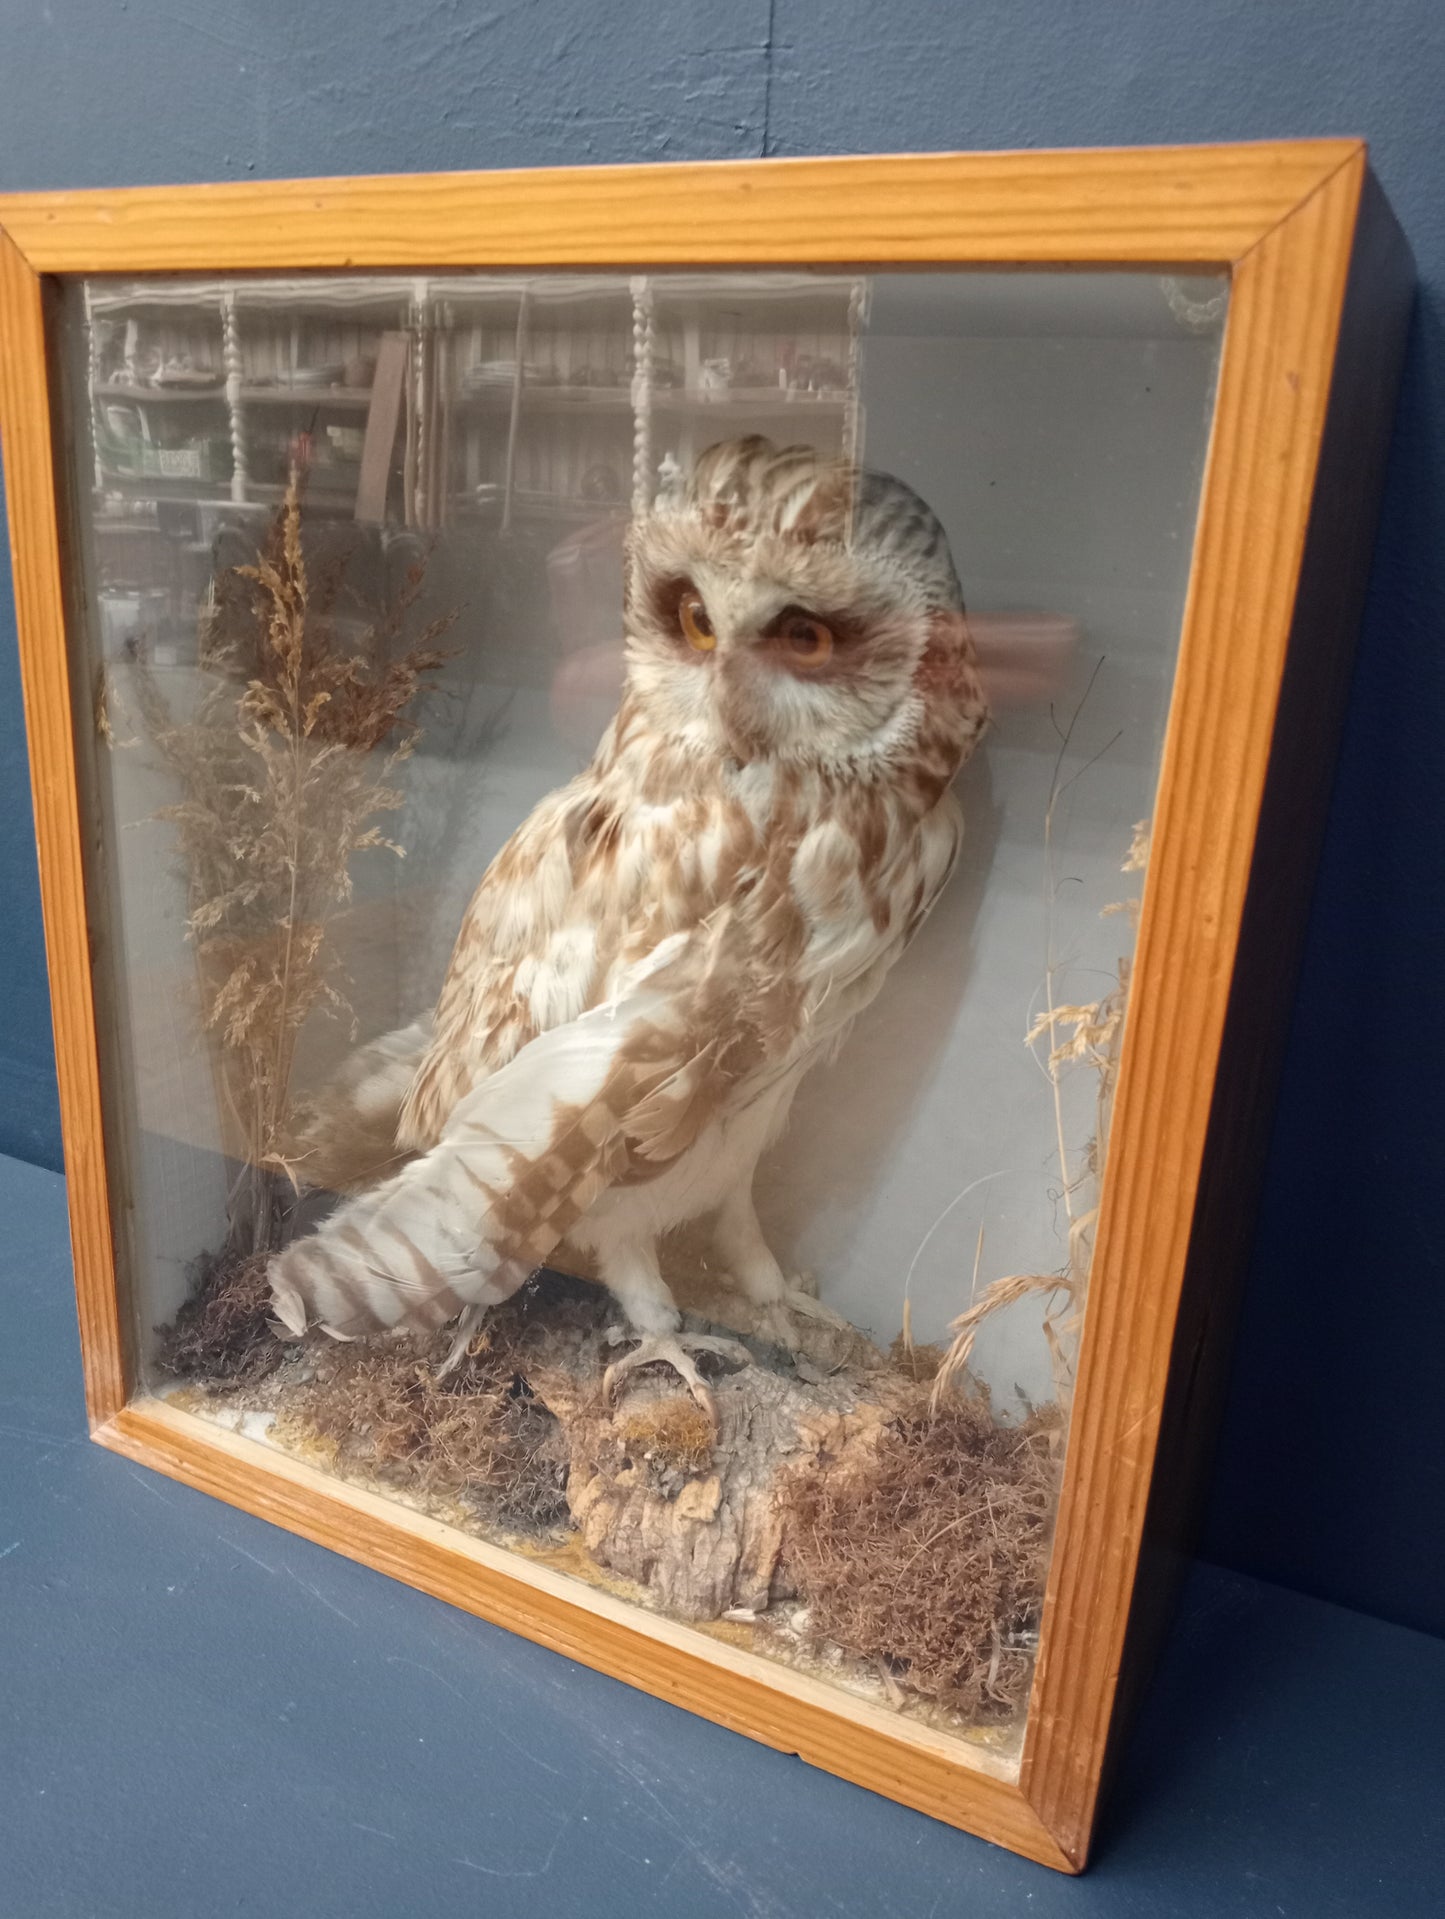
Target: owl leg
(738,1235)
(630,1271)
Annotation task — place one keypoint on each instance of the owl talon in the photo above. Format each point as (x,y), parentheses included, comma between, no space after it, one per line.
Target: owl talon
(670,1349)
(461,1340)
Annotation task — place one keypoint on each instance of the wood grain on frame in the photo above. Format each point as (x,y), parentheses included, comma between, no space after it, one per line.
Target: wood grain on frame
(1177,205)
(1328,604)
(1284,217)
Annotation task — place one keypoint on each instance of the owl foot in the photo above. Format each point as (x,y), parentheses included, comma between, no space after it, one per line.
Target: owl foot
(804,1299)
(671,1349)
(776,1324)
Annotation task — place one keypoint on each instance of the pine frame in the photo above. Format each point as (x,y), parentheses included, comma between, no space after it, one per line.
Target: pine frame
(1320,288)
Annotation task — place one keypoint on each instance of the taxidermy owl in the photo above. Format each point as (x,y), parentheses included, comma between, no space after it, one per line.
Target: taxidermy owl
(669,942)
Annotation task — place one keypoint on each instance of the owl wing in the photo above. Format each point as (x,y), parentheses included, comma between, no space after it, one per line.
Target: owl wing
(613,1095)
(713,1015)
(515,970)
(525,960)
(856,949)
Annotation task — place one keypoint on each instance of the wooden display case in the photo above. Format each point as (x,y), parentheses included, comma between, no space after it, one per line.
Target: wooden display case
(563,335)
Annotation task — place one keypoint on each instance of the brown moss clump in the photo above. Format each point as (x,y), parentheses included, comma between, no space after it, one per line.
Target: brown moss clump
(918,1362)
(477,1433)
(925,1551)
(672,1435)
(223,1332)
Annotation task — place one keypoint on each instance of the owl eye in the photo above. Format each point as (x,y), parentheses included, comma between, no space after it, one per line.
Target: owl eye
(697,628)
(806,641)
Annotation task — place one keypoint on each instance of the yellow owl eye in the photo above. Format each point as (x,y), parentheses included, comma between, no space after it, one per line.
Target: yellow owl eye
(806,641)
(697,628)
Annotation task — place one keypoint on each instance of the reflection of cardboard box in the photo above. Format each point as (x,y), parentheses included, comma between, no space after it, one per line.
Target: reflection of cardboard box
(202,460)
(1023,658)
(584,583)
(586,689)
(129,456)
(178,462)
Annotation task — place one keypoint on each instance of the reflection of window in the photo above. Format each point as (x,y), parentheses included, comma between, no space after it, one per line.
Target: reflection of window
(554,401)
(562,397)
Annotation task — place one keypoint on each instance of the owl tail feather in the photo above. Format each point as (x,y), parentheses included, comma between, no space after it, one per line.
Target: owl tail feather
(521,1159)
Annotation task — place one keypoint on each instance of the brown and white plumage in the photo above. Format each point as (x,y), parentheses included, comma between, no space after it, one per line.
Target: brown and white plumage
(668,942)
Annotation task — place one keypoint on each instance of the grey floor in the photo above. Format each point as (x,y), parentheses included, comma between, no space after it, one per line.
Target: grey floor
(200,1716)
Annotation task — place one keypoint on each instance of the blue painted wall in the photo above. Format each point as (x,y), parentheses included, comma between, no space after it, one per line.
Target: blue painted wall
(1332,1472)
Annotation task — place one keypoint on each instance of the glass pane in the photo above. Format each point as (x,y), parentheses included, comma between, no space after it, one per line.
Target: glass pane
(359,555)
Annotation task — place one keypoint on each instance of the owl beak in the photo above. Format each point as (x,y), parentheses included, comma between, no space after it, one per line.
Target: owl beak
(736,693)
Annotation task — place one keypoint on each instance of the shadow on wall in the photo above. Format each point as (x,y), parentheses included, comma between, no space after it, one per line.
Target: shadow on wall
(29,1109)
(1344,1319)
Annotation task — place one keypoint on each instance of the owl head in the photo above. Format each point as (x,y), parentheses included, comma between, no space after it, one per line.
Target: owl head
(793,607)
